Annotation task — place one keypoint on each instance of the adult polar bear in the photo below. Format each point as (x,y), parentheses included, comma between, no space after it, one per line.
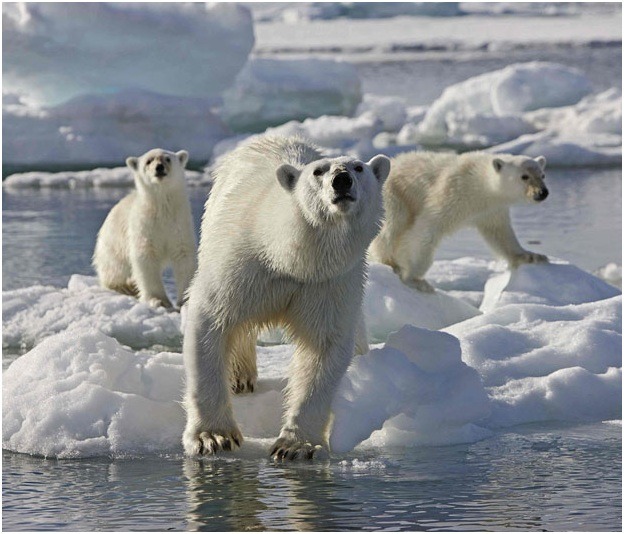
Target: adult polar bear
(430,195)
(283,240)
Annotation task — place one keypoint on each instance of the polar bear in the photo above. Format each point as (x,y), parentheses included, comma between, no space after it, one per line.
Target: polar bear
(149,229)
(430,195)
(283,241)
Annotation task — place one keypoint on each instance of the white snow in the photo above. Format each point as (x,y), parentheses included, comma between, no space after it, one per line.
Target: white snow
(55,51)
(31,314)
(483,106)
(547,348)
(107,128)
(101,177)
(268,92)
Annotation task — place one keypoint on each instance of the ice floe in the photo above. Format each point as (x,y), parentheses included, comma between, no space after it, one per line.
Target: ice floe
(546,347)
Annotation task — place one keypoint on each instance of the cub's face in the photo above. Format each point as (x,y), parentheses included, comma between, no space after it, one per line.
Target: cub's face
(522,177)
(159,168)
(336,187)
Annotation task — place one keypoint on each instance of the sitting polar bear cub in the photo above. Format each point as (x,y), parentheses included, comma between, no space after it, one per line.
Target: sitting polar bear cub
(149,229)
(283,241)
(429,195)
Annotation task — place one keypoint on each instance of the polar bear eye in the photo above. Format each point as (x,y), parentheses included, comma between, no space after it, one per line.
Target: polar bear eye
(525,177)
(318,171)
(358,168)
(149,161)
(167,159)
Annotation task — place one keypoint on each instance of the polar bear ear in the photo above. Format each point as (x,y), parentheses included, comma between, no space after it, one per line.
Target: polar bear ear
(133,163)
(287,176)
(380,165)
(183,156)
(541,161)
(498,164)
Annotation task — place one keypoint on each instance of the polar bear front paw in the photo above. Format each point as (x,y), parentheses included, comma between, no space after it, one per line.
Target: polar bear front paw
(420,284)
(206,442)
(292,449)
(528,257)
(243,385)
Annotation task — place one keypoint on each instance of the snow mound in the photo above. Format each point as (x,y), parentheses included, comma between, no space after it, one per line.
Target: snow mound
(611,273)
(416,384)
(485,103)
(390,110)
(541,362)
(101,177)
(105,129)
(188,50)
(31,314)
(269,92)
(555,284)
(567,149)
(389,304)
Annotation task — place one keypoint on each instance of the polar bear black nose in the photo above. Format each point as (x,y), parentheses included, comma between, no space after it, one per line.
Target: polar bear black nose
(160,168)
(342,182)
(543,193)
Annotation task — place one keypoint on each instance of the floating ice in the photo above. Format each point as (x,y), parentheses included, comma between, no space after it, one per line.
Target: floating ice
(390,110)
(611,273)
(532,357)
(269,92)
(106,129)
(555,284)
(31,314)
(102,177)
(389,304)
(506,92)
(55,51)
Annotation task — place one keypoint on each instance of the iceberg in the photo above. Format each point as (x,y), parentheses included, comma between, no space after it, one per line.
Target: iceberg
(54,51)
(269,92)
(487,101)
(107,128)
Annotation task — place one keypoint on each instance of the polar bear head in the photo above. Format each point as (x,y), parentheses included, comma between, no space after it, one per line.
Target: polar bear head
(158,169)
(521,177)
(341,187)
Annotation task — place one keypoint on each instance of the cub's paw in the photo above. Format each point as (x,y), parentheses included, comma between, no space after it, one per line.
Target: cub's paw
(420,284)
(210,442)
(292,449)
(243,385)
(528,257)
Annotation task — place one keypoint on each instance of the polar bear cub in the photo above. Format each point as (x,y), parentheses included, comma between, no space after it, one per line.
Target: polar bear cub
(283,241)
(149,229)
(430,195)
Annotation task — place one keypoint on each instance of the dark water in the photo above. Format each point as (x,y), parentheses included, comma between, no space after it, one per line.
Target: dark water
(529,479)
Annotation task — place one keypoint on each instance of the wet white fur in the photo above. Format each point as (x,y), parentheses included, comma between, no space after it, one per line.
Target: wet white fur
(147,230)
(274,249)
(430,195)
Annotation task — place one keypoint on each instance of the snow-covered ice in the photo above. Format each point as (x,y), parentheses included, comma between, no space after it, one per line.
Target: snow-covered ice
(548,348)
(269,92)
(487,103)
(101,177)
(117,46)
(31,314)
(107,128)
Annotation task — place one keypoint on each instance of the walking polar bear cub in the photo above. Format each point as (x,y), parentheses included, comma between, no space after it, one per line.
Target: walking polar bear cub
(149,229)
(430,195)
(283,241)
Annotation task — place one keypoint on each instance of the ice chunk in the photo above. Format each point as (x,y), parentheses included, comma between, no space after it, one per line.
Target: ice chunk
(567,150)
(506,92)
(390,110)
(418,380)
(101,177)
(269,92)
(555,284)
(31,314)
(56,51)
(542,362)
(389,304)
(105,129)
(611,273)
